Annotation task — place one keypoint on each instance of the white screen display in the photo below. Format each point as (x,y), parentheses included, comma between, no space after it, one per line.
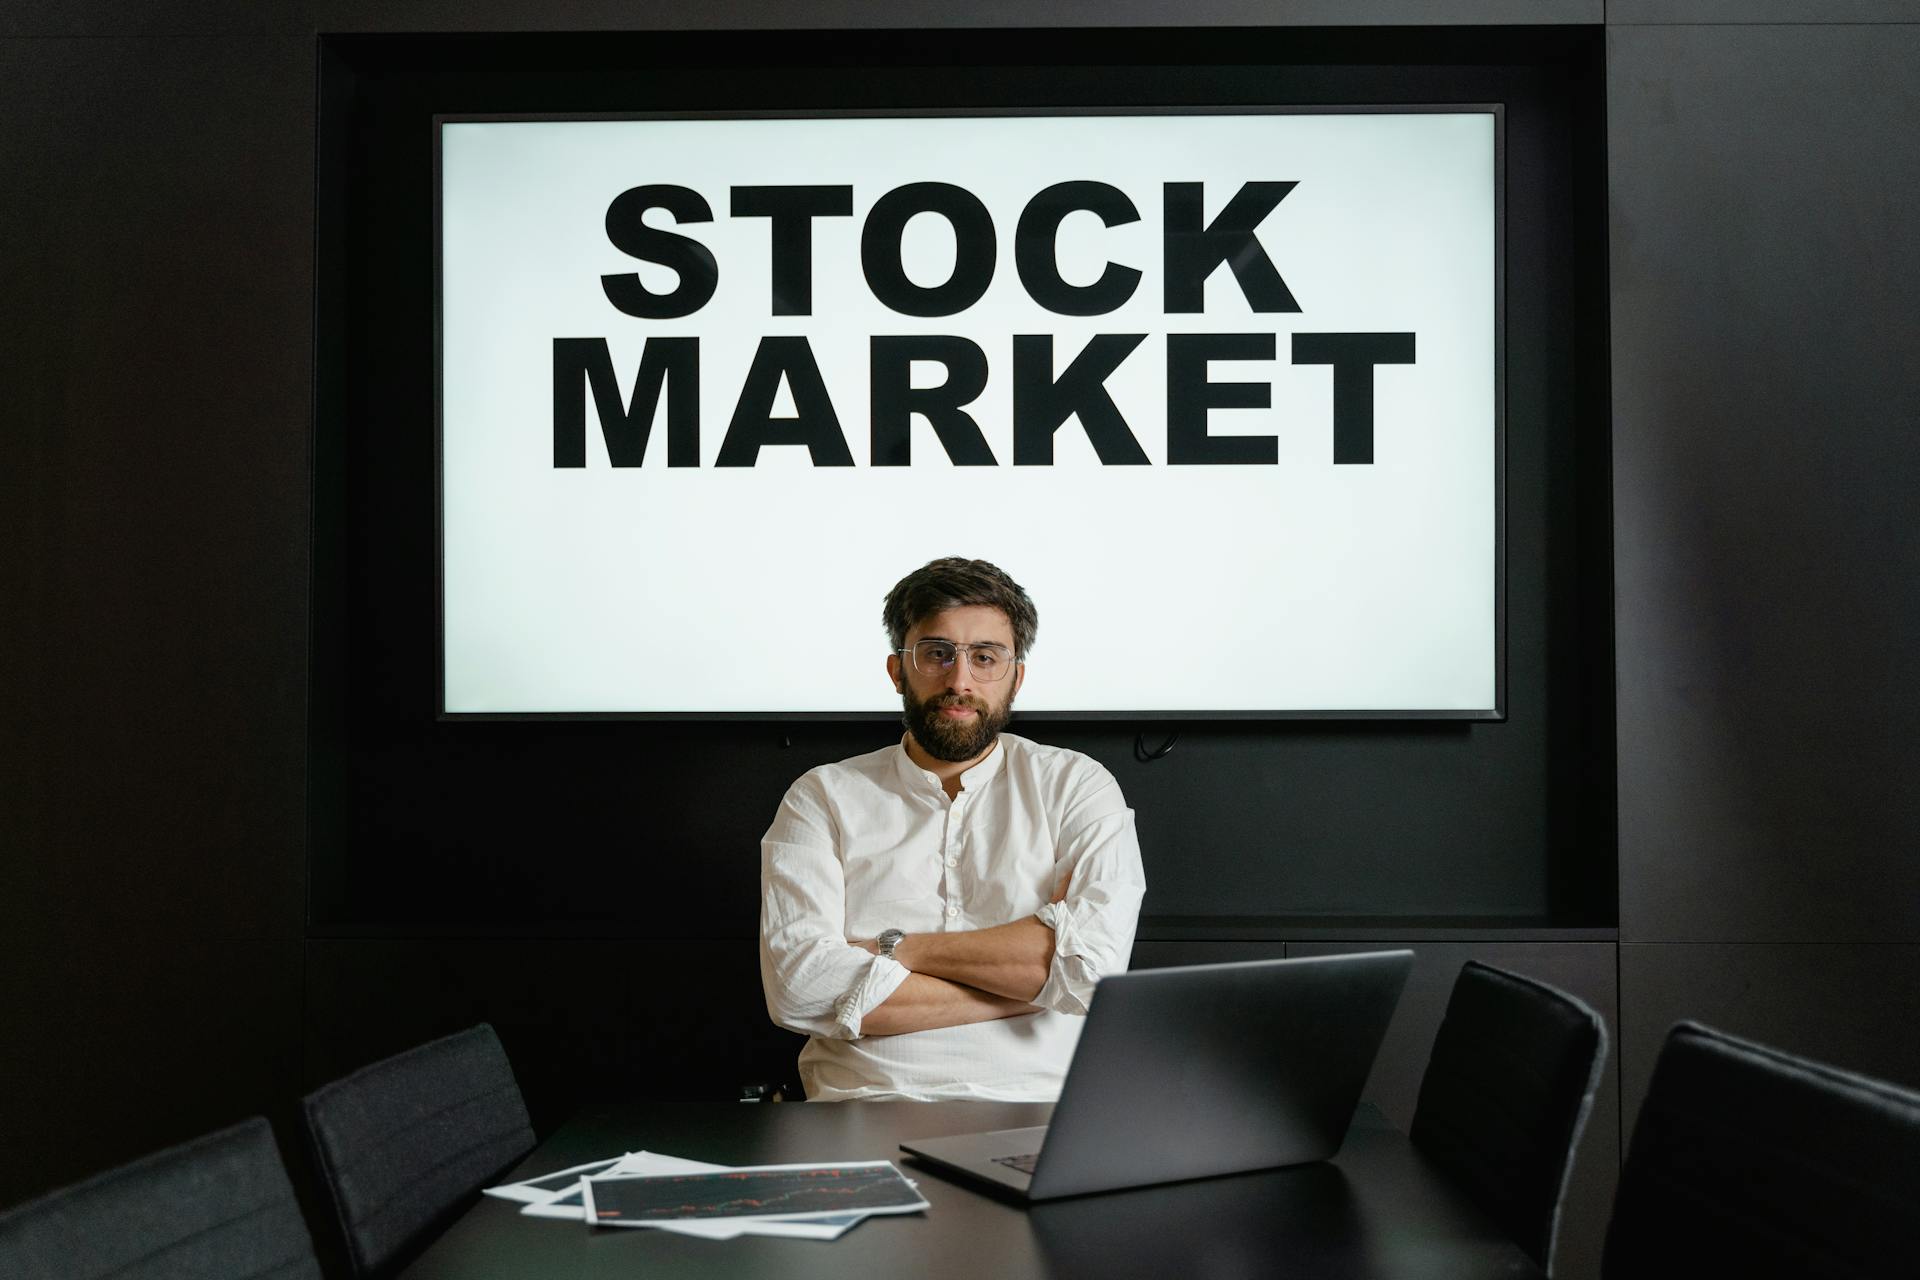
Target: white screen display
(1219,390)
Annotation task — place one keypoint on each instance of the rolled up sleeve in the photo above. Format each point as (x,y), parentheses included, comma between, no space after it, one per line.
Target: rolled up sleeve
(815,982)
(1093,926)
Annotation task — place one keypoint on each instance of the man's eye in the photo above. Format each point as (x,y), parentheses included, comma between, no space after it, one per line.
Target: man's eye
(985,659)
(940,653)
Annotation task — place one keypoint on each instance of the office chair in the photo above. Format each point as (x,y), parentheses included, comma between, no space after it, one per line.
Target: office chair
(1514,1069)
(217,1208)
(403,1144)
(1750,1162)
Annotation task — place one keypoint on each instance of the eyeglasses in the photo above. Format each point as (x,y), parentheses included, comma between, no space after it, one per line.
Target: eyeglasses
(987,662)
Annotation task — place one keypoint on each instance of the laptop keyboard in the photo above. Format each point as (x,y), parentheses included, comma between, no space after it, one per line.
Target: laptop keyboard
(1023,1163)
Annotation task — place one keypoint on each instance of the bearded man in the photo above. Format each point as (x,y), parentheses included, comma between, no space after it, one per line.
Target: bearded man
(934,915)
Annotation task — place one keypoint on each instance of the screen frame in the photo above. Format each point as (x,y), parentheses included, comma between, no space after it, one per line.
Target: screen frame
(1495,714)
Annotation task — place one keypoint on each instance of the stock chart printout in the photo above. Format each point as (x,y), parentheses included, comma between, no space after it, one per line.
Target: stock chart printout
(767,1191)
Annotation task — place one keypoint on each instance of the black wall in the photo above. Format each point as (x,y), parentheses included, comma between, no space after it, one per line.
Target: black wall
(155,383)
(159,974)
(1768,564)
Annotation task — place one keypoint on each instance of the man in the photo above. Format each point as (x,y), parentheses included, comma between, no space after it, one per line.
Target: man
(935,915)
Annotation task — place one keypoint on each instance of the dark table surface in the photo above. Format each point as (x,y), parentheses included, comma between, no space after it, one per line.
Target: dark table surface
(1376,1210)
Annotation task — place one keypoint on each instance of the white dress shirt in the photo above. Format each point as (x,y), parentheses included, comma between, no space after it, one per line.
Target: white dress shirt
(873,843)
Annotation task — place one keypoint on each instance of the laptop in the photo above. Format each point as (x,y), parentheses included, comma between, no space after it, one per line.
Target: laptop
(1197,1071)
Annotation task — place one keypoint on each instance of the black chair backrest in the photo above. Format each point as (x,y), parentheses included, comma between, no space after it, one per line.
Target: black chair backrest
(403,1144)
(1514,1069)
(217,1208)
(1750,1162)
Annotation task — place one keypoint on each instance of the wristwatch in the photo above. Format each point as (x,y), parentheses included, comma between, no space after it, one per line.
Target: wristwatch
(888,940)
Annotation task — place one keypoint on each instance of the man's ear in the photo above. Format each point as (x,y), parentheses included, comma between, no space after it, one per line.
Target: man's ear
(1019,678)
(893,672)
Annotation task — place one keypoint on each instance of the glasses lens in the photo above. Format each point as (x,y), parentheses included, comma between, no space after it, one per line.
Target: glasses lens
(988,662)
(985,661)
(933,657)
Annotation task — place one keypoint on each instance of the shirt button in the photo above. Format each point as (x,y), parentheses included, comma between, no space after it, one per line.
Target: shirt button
(953,862)
(952,912)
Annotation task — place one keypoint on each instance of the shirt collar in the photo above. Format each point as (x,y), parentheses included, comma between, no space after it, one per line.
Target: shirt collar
(972,780)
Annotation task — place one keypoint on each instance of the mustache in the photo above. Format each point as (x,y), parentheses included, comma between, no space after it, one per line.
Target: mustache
(955,700)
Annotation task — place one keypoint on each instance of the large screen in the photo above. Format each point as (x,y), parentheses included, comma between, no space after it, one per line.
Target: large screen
(1222,390)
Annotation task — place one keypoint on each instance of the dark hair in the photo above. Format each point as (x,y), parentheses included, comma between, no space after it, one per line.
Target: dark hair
(953,582)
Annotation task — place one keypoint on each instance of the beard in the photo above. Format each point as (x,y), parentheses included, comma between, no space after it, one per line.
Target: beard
(951,740)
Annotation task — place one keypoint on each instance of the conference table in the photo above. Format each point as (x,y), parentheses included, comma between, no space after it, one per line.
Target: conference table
(1376,1210)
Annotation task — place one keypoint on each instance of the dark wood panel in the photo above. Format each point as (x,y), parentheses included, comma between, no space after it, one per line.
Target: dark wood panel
(156,325)
(155,243)
(1169,954)
(1585,970)
(582,1021)
(1856,1007)
(1621,12)
(632,15)
(113,1052)
(1767,562)
(1304,820)
(119,19)
(1401,931)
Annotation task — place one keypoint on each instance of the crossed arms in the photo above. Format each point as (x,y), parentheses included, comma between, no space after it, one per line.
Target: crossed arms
(972,976)
(820,982)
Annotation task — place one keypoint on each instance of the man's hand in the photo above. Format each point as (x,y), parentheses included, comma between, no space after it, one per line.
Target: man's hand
(924,1002)
(1011,961)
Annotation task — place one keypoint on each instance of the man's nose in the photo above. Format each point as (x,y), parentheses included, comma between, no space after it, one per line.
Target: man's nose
(959,676)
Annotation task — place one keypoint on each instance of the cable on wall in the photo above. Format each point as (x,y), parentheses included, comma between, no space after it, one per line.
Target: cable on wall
(1145,756)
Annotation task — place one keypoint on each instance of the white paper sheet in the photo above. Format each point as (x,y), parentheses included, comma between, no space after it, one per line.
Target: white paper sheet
(542,1198)
(543,1188)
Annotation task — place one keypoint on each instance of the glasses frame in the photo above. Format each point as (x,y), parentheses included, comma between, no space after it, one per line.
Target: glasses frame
(913,661)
